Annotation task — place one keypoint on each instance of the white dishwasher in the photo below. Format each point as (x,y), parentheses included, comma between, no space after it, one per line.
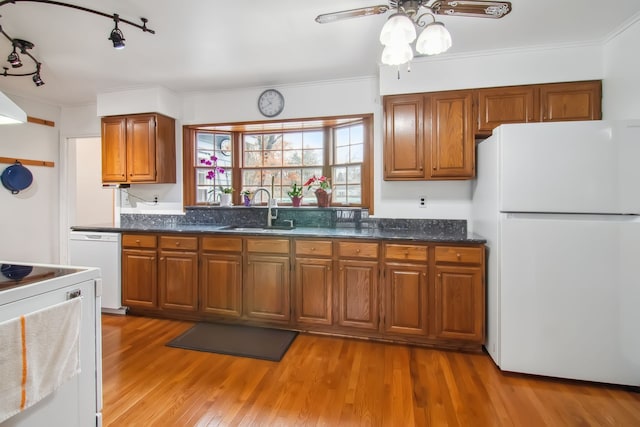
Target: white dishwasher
(102,250)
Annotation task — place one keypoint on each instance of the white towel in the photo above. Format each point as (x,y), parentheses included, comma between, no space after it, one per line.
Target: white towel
(38,353)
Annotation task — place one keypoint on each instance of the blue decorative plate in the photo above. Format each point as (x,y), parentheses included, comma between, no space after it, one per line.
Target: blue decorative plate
(16,178)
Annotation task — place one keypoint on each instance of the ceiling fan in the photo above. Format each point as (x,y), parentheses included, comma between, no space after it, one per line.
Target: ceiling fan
(399,32)
(475,8)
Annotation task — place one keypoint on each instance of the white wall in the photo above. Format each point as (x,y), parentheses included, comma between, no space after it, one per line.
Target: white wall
(29,220)
(621,71)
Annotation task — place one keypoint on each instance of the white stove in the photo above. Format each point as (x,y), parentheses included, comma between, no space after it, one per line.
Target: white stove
(29,288)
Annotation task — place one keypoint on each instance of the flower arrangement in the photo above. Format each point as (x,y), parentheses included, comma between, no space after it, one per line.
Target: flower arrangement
(315,182)
(215,172)
(296,191)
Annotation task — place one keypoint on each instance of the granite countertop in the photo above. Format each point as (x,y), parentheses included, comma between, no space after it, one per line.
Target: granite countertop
(364,233)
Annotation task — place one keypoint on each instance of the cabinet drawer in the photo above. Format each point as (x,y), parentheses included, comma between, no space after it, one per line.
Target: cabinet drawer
(405,252)
(269,246)
(179,242)
(139,241)
(357,250)
(221,244)
(314,247)
(459,254)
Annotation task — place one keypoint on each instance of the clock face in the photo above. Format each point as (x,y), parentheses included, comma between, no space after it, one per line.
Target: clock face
(270,103)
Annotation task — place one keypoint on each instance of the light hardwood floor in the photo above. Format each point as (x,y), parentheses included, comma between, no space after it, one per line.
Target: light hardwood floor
(334,382)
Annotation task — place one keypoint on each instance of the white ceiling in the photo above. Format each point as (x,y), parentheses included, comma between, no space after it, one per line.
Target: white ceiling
(205,45)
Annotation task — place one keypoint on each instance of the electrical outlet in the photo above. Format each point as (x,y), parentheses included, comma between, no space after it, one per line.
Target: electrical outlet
(155,198)
(422,202)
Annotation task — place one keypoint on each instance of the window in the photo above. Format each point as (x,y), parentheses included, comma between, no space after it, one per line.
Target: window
(275,155)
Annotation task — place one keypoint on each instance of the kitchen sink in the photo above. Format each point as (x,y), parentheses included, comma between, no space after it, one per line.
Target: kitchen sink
(259,229)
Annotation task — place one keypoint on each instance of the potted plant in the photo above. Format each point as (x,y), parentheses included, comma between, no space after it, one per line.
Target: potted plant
(296,194)
(322,189)
(246,197)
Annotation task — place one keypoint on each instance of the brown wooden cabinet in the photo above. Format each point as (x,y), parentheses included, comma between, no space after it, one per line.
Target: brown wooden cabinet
(138,149)
(460,293)
(405,307)
(267,280)
(221,276)
(358,273)
(429,136)
(178,273)
(500,105)
(313,285)
(139,271)
(571,101)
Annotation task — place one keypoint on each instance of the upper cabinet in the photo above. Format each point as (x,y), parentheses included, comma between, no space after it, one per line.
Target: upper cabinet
(138,149)
(429,136)
(552,102)
(571,101)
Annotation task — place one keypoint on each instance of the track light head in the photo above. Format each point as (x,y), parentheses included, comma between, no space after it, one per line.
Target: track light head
(116,35)
(14,59)
(36,77)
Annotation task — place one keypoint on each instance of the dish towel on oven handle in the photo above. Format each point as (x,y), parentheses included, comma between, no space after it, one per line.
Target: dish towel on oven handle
(39,352)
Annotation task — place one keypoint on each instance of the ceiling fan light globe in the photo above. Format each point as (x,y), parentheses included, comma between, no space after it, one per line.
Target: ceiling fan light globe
(399,29)
(397,54)
(435,39)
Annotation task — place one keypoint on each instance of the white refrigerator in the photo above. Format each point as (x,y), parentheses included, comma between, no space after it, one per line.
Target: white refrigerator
(559,205)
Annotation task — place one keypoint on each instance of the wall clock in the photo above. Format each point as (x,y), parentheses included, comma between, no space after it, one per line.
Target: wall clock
(270,103)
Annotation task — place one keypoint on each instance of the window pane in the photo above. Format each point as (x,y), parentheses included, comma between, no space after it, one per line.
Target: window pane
(354,194)
(251,178)
(354,175)
(313,157)
(252,142)
(356,153)
(313,139)
(291,176)
(342,136)
(292,158)
(357,134)
(342,155)
(339,194)
(272,141)
(253,159)
(339,175)
(292,141)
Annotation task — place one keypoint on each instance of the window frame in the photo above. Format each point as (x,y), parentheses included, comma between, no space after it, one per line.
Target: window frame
(238,129)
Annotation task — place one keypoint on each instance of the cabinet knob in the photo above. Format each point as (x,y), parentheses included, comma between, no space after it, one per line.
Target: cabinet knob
(357,251)
(439,274)
(406,253)
(177,243)
(341,268)
(458,255)
(161,258)
(138,241)
(313,249)
(424,274)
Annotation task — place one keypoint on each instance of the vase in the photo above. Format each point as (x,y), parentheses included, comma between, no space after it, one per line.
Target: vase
(225,199)
(296,201)
(246,199)
(323,197)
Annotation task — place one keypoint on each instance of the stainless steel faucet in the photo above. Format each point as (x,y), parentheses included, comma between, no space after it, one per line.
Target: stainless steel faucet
(270,217)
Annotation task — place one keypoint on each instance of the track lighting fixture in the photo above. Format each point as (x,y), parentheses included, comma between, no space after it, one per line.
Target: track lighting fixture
(23,46)
(116,35)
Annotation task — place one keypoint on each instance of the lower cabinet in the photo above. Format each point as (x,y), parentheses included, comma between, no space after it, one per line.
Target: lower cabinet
(460,294)
(178,278)
(358,273)
(221,276)
(400,291)
(267,280)
(139,271)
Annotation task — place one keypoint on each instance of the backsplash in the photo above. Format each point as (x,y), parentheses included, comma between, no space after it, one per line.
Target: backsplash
(256,216)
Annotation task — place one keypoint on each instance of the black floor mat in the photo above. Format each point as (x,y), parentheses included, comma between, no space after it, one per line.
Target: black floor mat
(236,340)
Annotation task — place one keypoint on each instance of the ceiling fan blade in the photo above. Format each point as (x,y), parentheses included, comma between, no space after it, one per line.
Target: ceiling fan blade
(479,9)
(353,13)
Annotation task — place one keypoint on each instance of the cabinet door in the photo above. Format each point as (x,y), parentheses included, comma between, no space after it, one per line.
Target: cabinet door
(405,299)
(141,148)
(313,291)
(358,294)
(452,146)
(114,149)
(459,302)
(139,278)
(266,288)
(178,280)
(221,285)
(571,101)
(404,137)
(501,105)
